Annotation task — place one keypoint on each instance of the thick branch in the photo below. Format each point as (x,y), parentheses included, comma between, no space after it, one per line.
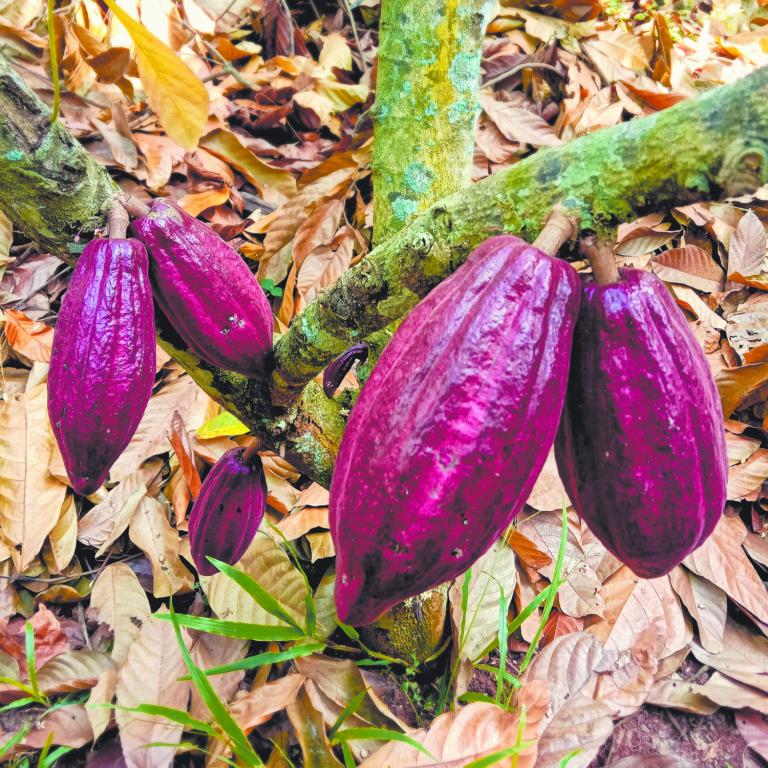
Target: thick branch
(426,105)
(50,187)
(714,145)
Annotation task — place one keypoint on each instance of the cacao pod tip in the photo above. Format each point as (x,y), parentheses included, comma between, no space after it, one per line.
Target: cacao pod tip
(340,367)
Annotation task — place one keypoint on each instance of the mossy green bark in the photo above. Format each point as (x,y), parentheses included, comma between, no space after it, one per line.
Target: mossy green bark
(426,107)
(701,149)
(50,187)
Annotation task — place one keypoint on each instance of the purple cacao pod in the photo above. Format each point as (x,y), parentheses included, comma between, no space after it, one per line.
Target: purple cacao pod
(226,515)
(206,291)
(641,447)
(103,359)
(451,429)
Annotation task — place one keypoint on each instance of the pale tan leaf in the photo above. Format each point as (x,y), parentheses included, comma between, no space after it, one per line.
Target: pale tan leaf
(676,693)
(707,604)
(690,300)
(318,229)
(335,53)
(548,492)
(73,671)
(108,519)
(301,522)
(160,154)
(569,665)
(722,561)
(621,46)
(67,726)
(6,240)
(494,571)
(149,675)
(747,477)
(728,693)
(63,535)
(743,653)
(153,534)
(740,447)
(259,704)
(265,562)
(753,728)
(213,651)
(174,92)
(579,595)
(320,545)
(325,605)
(583,725)
(519,124)
(689,265)
(642,240)
(30,497)
(456,739)
(151,436)
(323,267)
(101,694)
(121,603)
(310,732)
(746,252)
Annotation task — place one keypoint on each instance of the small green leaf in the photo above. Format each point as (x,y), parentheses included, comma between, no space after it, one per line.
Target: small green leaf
(240,630)
(223,425)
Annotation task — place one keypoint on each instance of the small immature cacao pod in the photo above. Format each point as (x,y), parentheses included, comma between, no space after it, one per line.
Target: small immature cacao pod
(206,291)
(226,515)
(451,429)
(641,447)
(103,359)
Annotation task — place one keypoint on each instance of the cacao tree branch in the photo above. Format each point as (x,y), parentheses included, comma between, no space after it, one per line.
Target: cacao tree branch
(426,108)
(704,148)
(50,187)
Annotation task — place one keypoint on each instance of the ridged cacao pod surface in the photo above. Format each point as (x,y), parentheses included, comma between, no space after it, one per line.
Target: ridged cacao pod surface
(206,291)
(450,431)
(103,359)
(641,448)
(226,515)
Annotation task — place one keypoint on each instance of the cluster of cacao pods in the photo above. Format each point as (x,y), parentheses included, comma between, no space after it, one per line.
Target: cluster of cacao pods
(512,353)
(103,358)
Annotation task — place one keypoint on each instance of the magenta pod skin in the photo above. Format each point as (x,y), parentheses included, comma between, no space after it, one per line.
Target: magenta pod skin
(226,515)
(206,291)
(103,359)
(449,433)
(641,448)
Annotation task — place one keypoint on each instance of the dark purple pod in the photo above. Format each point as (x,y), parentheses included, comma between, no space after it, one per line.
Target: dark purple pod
(226,515)
(641,448)
(210,297)
(103,359)
(451,429)
(335,372)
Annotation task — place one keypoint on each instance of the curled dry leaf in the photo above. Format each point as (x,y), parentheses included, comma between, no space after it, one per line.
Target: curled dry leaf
(706,603)
(691,266)
(259,704)
(746,252)
(310,732)
(28,337)
(745,479)
(73,671)
(734,384)
(753,727)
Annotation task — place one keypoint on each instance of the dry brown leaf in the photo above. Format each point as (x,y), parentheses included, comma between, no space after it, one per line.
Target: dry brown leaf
(579,595)
(527,551)
(149,675)
(259,704)
(722,561)
(740,447)
(102,694)
(642,240)
(182,447)
(744,656)
(734,384)
(728,693)
(30,497)
(67,726)
(121,603)
(746,478)
(301,522)
(73,671)
(753,728)
(212,651)
(318,229)
(153,534)
(324,266)
(689,265)
(161,155)
(676,693)
(548,492)
(746,252)
(63,535)
(310,732)
(706,603)
(28,337)
(519,124)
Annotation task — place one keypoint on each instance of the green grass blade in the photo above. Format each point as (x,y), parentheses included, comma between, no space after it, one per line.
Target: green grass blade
(258,593)
(262,659)
(29,652)
(239,741)
(381,734)
(497,757)
(502,639)
(350,709)
(240,630)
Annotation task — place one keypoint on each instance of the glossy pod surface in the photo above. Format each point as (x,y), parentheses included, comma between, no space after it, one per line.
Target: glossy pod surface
(206,291)
(103,359)
(641,449)
(226,515)
(449,433)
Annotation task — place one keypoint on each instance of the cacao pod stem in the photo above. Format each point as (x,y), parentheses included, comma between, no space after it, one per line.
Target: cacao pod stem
(600,255)
(559,228)
(117,220)
(340,367)
(133,206)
